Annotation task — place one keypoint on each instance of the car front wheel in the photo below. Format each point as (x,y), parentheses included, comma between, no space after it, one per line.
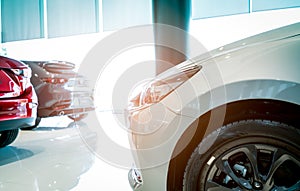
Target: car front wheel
(246,155)
(8,136)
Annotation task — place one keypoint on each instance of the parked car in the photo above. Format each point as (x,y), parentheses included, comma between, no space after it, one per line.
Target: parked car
(18,101)
(60,90)
(225,120)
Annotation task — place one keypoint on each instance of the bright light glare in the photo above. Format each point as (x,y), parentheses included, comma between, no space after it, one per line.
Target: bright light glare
(113,70)
(112,124)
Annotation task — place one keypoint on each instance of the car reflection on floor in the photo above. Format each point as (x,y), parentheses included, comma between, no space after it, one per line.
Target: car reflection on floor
(50,158)
(58,155)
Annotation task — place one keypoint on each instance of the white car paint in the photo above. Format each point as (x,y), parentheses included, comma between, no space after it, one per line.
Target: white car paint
(265,66)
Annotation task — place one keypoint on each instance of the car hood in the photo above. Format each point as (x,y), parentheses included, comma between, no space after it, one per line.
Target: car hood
(9,63)
(278,34)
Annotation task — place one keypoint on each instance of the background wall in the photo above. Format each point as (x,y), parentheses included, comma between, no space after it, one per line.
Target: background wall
(212,32)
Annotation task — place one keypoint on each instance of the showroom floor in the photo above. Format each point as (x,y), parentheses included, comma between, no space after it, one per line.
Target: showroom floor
(56,156)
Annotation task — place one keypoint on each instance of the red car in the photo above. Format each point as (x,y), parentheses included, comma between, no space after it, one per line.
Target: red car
(18,100)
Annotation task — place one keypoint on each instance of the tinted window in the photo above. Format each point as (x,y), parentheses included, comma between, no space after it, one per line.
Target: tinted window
(71,17)
(259,5)
(212,8)
(21,19)
(119,14)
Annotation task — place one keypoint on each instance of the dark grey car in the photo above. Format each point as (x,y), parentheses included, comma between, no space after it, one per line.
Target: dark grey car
(60,90)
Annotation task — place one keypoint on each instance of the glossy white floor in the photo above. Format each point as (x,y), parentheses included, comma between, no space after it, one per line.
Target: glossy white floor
(56,156)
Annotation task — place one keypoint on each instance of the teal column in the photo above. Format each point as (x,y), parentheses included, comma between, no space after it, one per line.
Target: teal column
(175,13)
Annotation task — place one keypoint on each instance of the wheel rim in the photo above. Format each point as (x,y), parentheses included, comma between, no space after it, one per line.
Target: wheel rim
(254,167)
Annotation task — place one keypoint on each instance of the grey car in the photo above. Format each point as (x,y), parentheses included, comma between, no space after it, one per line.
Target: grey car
(60,90)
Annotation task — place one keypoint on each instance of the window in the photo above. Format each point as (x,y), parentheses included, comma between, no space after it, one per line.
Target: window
(72,17)
(32,19)
(260,5)
(21,19)
(212,8)
(119,14)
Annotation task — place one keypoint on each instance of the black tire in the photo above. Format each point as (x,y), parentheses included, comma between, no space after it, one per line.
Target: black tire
(36,124)
(7,137)
(246,155)
(77,117)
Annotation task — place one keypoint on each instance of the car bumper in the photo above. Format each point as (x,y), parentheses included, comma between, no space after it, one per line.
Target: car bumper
(56,101)
(135,178)
(19,112)
(153,140)
(58,111)
(17,123)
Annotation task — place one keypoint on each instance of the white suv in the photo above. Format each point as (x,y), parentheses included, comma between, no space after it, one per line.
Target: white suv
(225,120)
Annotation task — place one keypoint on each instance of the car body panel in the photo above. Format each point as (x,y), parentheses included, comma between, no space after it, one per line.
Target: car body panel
(9,63)
(251,66)
(9,87)
(154,151)
(17,123)
(61,91)
(265,66)
(18,100)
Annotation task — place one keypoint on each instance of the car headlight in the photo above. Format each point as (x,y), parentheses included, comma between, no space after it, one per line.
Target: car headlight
(155,90)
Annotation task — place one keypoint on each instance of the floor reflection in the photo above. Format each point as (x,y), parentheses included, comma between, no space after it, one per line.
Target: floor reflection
(72,124)
(48,158)
(11,154)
